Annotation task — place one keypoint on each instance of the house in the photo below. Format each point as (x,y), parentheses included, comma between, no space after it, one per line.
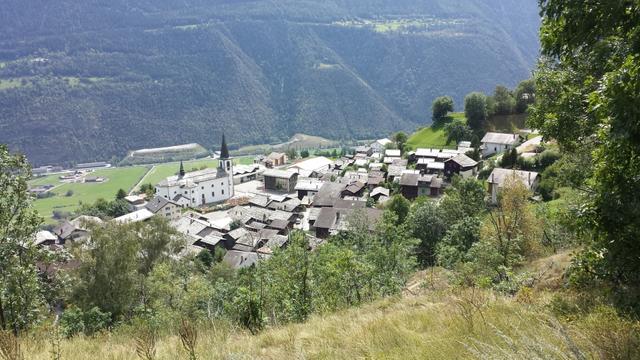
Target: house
(355,188)
(275,159)
(136,202)
(45,238)
(421,163)
(494,143)
(308,187)
(414,185)
(395,171)
(499,177)
(201,187)
(164,207)
(379,193)
(246,173)
(280,180)
(328,194)
(333,220)
(461,165)
(435,167)
(365,151)
(380,145)
(136,216)
(422,153)
(393,153)
(240,259)
(313,167)
(76,229)
(375,181)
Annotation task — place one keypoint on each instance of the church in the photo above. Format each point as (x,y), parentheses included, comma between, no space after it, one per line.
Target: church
(201,187)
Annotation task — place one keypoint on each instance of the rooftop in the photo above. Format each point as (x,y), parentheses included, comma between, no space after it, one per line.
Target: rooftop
(500,138)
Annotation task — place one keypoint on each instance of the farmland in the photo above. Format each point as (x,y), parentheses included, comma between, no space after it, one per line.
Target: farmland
(116,178)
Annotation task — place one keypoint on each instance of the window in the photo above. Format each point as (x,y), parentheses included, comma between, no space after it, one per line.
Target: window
(203,188)
(213,194)
(222,192)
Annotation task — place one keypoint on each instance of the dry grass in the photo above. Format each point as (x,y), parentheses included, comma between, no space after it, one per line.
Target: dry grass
(422,327)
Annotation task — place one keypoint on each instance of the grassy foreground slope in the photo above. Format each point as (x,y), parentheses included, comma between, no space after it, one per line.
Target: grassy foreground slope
(433,320)
(435,326)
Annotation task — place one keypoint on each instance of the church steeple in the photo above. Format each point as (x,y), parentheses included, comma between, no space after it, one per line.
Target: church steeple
(181,173)
(224,150)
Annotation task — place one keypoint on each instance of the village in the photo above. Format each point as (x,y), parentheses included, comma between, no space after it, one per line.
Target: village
(246,212)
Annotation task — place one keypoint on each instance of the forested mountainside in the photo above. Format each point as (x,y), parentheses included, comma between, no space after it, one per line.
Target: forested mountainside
(86,80)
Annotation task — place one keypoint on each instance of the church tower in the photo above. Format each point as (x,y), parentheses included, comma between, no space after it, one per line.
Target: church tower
(226,164)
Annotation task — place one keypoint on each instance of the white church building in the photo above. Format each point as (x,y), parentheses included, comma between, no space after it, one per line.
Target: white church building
(201,187)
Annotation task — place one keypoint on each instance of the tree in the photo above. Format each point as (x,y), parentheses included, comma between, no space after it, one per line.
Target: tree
(305,153)
(453,247)
(475,110)
(587,92)
(503,101)
(425,224)
(464,199)
(399,206)
(292,153)
(511,229)
(457,131)
(21,297)
(400,138)
(147,189)
(112,271)
(121,194)
(441,107)
(509,159)
(525,95)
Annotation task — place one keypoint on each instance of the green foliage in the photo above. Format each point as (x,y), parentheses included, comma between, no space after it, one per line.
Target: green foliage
(475,110)
(399,206)
(21,299)
(586,92)
(121,194)
(504,102)
(305,153)
(525,95)
(400,138)
(441,107)
(75,321)
(424,222)
(120,257)
(509,159)
(457,241)
(457,131)
(105,209)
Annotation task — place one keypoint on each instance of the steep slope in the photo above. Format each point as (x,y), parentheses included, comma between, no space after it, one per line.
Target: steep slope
(89,80)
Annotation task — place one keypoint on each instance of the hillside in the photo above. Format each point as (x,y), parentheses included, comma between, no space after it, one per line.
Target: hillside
(87,80)
(432,320)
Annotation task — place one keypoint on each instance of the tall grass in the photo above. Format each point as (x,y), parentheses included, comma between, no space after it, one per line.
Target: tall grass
(434,326)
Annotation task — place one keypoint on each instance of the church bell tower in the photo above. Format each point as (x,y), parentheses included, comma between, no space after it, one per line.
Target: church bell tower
(226,164)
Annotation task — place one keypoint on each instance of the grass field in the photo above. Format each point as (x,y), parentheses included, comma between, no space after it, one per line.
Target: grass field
(117,178)
(432,136)
(435,326)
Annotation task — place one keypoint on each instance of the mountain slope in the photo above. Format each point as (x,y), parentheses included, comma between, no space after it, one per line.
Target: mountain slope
(88,80)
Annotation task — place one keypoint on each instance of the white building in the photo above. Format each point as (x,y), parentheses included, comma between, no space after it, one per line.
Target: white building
(493,143)
(380,145)
(201,187)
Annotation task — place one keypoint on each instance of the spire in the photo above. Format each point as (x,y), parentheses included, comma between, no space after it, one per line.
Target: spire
(224,151)
(181,173)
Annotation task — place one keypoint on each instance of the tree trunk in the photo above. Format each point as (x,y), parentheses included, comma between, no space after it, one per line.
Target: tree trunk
(3,321)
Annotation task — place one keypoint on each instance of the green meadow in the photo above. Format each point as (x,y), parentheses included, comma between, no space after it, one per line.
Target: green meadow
(116,178)
(433,136)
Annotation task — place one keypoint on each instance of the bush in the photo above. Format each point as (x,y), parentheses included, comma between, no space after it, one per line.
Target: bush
(74,321)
